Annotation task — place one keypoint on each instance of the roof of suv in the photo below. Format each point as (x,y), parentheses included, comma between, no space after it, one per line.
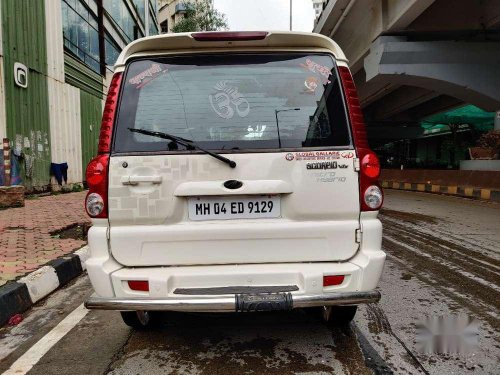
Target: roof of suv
(186,41)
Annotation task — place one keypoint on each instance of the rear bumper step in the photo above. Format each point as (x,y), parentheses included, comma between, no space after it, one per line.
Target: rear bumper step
(236,290)
(229,304)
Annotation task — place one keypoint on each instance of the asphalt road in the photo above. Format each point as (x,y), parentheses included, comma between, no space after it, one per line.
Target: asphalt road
(443,258)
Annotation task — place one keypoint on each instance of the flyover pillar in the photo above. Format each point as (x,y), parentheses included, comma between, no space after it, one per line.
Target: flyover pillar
(497,120)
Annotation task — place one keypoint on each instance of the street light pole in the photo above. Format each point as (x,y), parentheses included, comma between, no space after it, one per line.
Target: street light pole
(290,15)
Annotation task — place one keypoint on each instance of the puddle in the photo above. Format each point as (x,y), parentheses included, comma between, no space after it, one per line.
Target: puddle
(410,217)
(76,231)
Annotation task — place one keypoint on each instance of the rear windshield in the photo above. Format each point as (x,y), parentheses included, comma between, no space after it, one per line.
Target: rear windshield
(232,102)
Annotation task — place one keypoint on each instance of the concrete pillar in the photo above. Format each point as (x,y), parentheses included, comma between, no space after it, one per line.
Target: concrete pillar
(497,121)
(146,17)
(461,70)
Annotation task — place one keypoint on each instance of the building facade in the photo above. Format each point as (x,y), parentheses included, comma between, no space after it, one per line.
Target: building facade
(172,11)
(56,60)
(318,7)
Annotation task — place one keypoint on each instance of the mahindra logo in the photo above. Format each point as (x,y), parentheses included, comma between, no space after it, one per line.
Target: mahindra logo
(347,155)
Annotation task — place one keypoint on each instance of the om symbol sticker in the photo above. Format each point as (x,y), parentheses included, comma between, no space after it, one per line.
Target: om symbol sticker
(228,100)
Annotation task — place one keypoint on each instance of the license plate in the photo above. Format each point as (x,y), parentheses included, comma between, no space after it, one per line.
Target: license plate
(224,208)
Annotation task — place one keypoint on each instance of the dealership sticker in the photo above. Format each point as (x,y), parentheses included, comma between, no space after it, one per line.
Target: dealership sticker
(314,155)
(320,155)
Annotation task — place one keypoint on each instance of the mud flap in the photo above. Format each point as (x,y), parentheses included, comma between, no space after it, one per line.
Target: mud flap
(263,302)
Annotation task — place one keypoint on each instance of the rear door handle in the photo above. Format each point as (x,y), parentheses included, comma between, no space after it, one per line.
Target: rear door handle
(135,180)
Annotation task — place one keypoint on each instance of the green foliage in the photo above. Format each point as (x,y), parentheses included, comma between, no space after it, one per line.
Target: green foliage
(200,16)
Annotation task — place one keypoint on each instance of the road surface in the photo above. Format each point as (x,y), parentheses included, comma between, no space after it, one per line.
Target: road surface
(443,258)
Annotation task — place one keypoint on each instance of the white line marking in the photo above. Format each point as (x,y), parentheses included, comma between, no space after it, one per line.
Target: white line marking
(37,351)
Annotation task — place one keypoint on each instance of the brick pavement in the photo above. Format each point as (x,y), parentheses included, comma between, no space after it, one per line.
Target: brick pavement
(26,242)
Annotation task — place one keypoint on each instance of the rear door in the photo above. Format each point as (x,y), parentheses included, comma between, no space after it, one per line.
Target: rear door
(293,195)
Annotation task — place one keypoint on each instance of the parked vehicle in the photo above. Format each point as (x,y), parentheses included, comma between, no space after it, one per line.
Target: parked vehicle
(233,174)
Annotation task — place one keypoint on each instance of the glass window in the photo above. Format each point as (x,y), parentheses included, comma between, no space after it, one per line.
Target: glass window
(80,32)
(120,12)
(153,29)
(112,50)
(140,7)
(237,102)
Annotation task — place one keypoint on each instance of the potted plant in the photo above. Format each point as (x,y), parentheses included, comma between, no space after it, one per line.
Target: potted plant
(488,146)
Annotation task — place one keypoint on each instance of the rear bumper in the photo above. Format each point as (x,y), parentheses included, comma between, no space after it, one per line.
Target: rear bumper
(225,304)
(110,278)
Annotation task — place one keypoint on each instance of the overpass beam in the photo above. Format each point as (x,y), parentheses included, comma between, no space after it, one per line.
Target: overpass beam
(469,71)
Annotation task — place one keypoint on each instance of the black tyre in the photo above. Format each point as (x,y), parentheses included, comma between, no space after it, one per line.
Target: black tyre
(337,315)
(138,319)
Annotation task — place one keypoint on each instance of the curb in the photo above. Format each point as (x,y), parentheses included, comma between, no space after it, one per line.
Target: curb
(17,297)
(461,191)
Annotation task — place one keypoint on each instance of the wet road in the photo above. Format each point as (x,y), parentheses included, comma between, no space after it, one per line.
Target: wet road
(443,257)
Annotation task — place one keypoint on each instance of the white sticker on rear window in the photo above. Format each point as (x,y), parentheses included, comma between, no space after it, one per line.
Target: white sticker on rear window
(227,100)
(314,67)
(143,78)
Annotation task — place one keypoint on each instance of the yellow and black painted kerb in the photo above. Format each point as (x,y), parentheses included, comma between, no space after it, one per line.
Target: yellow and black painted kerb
(469,192)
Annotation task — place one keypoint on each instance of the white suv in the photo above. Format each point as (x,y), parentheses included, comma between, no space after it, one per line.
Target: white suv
(233,174)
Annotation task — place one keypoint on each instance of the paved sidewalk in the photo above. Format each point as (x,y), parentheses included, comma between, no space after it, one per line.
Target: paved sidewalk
(26,233)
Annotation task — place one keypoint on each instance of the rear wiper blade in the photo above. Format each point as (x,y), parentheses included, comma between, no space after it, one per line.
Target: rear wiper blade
(184,142)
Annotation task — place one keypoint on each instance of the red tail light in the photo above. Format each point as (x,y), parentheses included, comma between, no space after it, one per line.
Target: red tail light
(370,193)
(354,108)
(140,285)
(96,175)
(370,165)
(108,115)
(222,36)
(333,280)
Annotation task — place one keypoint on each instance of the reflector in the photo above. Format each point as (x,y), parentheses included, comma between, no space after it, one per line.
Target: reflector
(140,285)
(333,280)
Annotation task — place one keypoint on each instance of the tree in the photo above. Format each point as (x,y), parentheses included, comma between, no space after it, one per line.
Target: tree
(200,16)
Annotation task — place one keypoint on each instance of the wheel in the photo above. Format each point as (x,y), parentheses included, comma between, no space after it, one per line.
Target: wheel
(337,315)
(138,319)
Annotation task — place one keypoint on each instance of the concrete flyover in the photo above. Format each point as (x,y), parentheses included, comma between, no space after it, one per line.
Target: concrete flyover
(414,58)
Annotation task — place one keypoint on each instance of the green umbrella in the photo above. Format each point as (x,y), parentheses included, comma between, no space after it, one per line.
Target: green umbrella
(469,114)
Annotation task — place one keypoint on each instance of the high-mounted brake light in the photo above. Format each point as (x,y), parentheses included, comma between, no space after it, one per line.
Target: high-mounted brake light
(96,175)
(370,193)
(223,36)
(108,115)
